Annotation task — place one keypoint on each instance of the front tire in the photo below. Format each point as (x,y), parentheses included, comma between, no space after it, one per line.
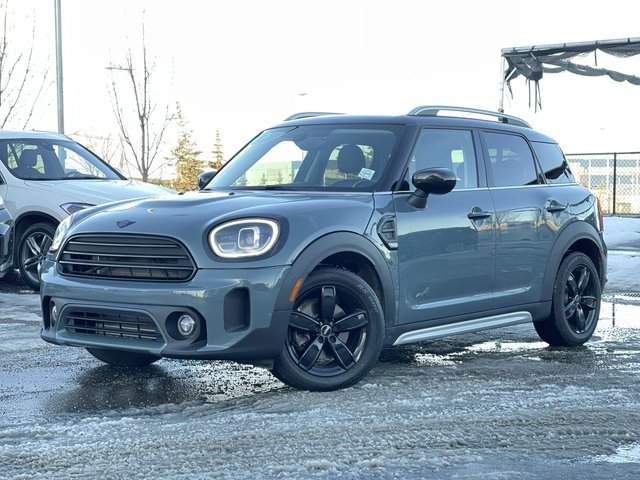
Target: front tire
(335,332)
(33,246)
(575,305)
(121,358)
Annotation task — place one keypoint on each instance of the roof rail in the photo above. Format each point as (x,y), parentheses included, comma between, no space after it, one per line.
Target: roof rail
(433,110)
(299,115)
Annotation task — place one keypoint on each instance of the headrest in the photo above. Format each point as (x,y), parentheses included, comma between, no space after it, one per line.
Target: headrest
(29,158)
(351,159)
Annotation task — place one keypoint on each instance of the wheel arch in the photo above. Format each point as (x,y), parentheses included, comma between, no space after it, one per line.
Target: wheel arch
(343,250)
(27,219)
(577,237)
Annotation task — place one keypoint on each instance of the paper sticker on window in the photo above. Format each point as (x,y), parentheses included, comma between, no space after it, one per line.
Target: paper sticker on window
(366,173)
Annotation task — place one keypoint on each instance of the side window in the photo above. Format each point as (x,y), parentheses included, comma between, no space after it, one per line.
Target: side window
(510,160)
(451,149)
(555,167)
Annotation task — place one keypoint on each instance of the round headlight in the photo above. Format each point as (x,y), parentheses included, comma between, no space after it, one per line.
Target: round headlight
(249,237)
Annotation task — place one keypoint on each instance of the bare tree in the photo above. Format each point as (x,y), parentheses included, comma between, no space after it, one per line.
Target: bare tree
(146,139)
(107,148)
(19,89)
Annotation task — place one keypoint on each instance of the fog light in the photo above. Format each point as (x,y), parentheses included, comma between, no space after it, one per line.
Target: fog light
(186,325)
(54,314)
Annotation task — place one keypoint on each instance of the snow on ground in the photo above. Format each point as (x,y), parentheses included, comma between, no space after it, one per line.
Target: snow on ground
(508,409)
(622,233)
(622,236)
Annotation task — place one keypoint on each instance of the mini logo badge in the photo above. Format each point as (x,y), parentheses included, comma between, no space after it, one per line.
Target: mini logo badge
(124,223)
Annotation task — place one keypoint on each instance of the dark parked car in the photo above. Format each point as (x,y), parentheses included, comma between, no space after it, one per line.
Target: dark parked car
(329,237)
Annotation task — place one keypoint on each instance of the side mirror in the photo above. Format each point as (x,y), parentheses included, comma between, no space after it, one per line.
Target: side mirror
(205,177)
(431,180)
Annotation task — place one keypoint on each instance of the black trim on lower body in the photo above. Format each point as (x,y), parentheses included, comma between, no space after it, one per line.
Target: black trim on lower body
(539,311)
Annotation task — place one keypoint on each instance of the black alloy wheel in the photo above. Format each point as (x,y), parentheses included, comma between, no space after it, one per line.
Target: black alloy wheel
(335,332)
(579,299)
(575,304)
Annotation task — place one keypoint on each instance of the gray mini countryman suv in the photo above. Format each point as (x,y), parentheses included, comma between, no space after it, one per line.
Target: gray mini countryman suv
(329,237)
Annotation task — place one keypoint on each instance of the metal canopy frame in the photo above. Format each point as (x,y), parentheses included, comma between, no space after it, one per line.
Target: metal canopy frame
(620,47)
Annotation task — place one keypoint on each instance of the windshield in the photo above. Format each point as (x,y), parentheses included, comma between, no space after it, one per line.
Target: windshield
(38,159)
(318,157)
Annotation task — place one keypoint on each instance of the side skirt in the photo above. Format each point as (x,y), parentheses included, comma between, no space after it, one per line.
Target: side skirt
(475,325)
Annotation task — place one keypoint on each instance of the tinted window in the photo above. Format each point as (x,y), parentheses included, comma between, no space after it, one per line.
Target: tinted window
(510,160)
(553,163)
(446,148)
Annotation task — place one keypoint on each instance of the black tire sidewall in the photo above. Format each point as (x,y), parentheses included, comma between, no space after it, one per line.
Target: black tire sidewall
(561,329)
(286,369)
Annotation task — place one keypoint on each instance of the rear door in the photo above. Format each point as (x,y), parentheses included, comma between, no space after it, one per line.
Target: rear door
(529,216)
(447,250)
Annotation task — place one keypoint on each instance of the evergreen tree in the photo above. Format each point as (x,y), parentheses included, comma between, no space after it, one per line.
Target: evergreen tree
(218,158)
(188,167)
(242,181)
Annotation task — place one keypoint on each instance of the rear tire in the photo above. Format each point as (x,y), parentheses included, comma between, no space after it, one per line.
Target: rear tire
(335,332)
(575,304)
(121,358)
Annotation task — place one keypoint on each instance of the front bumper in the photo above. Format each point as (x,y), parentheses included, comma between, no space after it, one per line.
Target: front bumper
(234,309)
(6,242)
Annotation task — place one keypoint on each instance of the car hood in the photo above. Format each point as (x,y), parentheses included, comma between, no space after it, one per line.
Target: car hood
(98,192)
(190,217)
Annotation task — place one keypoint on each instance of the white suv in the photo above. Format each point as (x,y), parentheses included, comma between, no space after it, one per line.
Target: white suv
(44,177)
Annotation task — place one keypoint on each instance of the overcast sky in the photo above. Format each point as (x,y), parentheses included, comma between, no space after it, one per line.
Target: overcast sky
(240,66)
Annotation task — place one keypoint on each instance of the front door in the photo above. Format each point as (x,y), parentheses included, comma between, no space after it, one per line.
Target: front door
(447,250)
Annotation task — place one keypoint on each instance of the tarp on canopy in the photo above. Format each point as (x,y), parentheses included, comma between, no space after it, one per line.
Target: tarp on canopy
(532,62)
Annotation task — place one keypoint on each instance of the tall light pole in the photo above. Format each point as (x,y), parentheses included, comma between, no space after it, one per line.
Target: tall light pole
(59,88)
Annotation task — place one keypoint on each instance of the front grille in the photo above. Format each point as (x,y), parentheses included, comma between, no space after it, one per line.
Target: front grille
(126,257)
(132,325)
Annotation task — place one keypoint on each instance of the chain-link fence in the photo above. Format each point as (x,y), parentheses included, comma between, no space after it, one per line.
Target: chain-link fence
(613,177)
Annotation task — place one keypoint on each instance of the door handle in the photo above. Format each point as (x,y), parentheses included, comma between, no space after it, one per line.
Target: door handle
(553,206)
(477,214)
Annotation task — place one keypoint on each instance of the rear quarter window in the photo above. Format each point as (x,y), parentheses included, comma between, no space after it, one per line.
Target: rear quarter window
(555,167)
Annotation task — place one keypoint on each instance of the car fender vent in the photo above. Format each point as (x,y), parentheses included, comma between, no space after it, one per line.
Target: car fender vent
(388,232)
